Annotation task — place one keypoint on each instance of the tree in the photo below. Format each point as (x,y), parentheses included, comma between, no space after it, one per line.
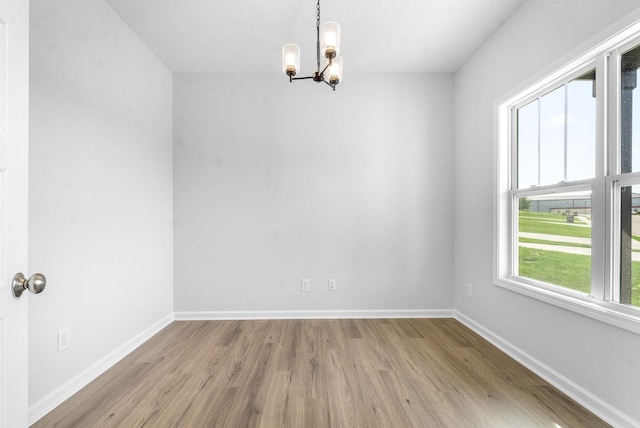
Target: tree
(525,204)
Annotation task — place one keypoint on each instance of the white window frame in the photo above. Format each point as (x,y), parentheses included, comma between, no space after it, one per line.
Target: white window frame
(600,303)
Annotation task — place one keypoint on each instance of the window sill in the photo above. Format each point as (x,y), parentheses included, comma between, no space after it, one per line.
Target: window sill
(627,318)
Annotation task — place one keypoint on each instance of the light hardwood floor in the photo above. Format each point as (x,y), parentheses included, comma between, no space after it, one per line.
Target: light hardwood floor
(319,373)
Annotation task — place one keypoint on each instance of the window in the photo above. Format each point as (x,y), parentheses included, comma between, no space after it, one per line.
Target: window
(555,147)
(568,185)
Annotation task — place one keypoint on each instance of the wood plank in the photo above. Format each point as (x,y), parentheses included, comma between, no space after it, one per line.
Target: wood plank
(318,373)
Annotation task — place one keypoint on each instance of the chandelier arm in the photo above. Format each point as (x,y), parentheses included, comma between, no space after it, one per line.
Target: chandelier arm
(317,76)
(325,68)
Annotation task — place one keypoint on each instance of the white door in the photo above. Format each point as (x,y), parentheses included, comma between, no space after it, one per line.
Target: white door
(14,140)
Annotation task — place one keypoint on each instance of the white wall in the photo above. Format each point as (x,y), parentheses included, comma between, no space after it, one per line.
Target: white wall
(602,359)
(275,182)
(100,191)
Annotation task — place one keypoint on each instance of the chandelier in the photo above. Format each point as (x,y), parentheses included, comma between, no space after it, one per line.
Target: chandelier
(327,43)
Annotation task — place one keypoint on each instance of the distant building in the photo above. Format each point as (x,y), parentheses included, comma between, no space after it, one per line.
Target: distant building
(570,204)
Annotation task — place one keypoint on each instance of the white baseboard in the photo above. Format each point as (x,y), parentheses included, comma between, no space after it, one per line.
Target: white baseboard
(57,397)
(333,314)
(595,404)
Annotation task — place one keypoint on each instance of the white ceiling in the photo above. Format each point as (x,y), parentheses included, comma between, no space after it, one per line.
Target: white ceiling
(410,36)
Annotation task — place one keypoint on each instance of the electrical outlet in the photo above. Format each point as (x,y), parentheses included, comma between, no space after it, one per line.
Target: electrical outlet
(64,339)
(469,290)
(333,286)
(305,285)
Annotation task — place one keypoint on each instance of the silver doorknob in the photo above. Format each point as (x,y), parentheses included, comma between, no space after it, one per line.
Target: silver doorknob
(34,284)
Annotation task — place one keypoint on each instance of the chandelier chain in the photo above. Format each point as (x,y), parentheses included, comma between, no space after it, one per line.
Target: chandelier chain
(318,34)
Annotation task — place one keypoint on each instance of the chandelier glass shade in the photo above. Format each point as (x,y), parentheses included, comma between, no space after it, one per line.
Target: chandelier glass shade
(330,41)
(290,59)
(327,46)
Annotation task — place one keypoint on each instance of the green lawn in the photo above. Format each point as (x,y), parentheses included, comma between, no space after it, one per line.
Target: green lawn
(552,224)
(566,270)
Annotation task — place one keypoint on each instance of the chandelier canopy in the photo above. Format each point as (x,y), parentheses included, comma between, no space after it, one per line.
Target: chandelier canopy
(327,44)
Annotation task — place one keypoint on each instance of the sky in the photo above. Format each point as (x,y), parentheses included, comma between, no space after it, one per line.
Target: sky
(568,110)
(542,125)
